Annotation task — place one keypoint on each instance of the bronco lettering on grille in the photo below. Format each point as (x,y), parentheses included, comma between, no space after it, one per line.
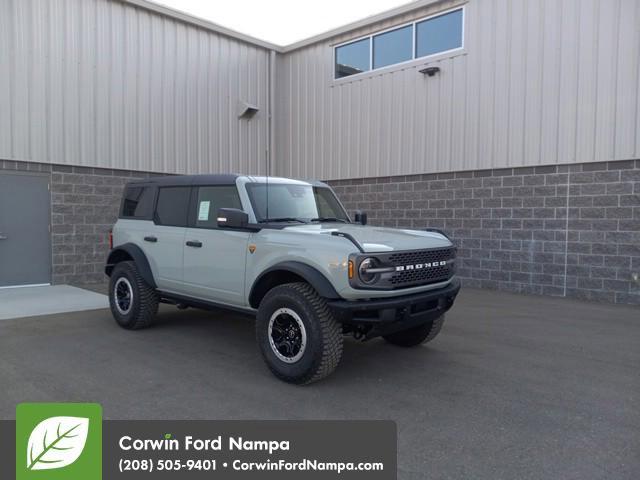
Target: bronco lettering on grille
(420,266)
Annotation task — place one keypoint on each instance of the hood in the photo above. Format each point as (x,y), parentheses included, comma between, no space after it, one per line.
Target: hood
(379,239)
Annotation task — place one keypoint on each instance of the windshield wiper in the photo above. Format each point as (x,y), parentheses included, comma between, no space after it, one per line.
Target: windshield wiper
(282,219)
(329,219)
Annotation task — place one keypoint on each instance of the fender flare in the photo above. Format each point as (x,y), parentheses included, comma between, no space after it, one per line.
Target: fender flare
(310,274)
(134,252)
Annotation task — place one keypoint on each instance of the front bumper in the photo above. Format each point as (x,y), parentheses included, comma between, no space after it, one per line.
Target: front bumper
(387,315)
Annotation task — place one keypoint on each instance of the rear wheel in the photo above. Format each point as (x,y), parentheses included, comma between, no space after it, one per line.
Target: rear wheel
(133,302)
(299,339)
(416,335)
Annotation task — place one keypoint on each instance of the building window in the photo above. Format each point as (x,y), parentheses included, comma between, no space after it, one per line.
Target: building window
(393,47)
(425,37)
(353,58)
(439,34)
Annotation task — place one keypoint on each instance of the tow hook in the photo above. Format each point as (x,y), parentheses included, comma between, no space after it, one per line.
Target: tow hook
(360,334)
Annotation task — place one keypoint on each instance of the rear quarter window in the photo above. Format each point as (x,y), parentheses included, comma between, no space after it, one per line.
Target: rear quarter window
(137,202)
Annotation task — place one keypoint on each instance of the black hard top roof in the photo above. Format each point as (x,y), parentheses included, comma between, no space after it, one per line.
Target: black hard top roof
(182,180)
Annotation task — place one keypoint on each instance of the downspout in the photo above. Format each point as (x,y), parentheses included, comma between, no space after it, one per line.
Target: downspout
(270,107)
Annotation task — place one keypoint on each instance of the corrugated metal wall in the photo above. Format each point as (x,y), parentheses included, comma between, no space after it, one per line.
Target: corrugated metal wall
(539,82)
(102,83)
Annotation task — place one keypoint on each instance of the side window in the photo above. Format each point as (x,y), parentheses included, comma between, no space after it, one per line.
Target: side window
(429,36)
(353,58)
(210,199)
(439,34)
(324,209)
(137,202)
(172,206)
(393,47)
(328,205)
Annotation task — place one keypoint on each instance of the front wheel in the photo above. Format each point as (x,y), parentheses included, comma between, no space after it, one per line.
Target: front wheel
(422,333)
(299,339)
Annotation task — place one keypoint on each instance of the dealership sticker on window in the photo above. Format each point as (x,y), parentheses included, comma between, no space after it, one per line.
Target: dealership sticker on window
(203,211)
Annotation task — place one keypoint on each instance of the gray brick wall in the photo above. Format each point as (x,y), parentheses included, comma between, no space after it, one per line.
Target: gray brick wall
(569,230)
(84,206)
(566,230)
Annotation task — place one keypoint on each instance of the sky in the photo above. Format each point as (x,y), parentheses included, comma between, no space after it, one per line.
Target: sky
(282,21)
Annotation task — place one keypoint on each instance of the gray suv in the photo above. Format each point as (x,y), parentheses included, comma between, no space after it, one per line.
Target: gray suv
(284,251)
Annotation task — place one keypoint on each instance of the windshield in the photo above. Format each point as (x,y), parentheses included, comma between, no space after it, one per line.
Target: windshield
(291,202)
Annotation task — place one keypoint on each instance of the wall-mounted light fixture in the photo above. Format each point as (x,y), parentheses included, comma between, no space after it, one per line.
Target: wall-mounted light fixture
(430,71)
(247,110)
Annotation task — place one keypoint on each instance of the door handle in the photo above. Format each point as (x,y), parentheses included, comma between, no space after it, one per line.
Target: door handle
(151,239)
(194,243)
(3,237)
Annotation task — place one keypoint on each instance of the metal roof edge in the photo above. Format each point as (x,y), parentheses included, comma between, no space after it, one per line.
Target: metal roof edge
(228,32)
(378,17)
(200,22)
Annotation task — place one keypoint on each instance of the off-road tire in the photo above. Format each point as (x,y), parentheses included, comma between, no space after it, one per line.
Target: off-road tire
(323,348)
(144,301)
(416,335)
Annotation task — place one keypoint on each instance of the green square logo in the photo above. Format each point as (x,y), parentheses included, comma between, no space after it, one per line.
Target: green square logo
(58,441)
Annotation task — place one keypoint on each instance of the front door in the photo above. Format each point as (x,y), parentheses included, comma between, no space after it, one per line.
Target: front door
(214,258)
(25,250)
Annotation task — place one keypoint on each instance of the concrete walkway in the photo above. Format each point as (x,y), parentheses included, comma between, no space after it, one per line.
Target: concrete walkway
(48,300)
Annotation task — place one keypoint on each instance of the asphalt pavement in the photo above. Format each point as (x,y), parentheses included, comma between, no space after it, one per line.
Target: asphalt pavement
(515,387)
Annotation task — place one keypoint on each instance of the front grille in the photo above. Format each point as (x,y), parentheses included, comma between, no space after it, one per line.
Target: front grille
(416,275)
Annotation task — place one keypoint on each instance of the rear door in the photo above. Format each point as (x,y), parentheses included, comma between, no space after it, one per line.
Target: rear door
(214,258)
(164,243)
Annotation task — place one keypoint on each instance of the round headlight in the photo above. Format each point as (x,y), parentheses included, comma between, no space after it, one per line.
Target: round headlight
(365,265)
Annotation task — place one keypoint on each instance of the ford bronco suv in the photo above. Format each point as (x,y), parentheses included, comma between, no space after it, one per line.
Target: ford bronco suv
(285,251)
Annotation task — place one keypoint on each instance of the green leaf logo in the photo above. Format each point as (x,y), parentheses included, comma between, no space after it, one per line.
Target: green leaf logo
(57,442)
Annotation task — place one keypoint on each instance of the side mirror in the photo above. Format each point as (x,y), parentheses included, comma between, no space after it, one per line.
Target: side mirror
(232,218)
(361,217)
